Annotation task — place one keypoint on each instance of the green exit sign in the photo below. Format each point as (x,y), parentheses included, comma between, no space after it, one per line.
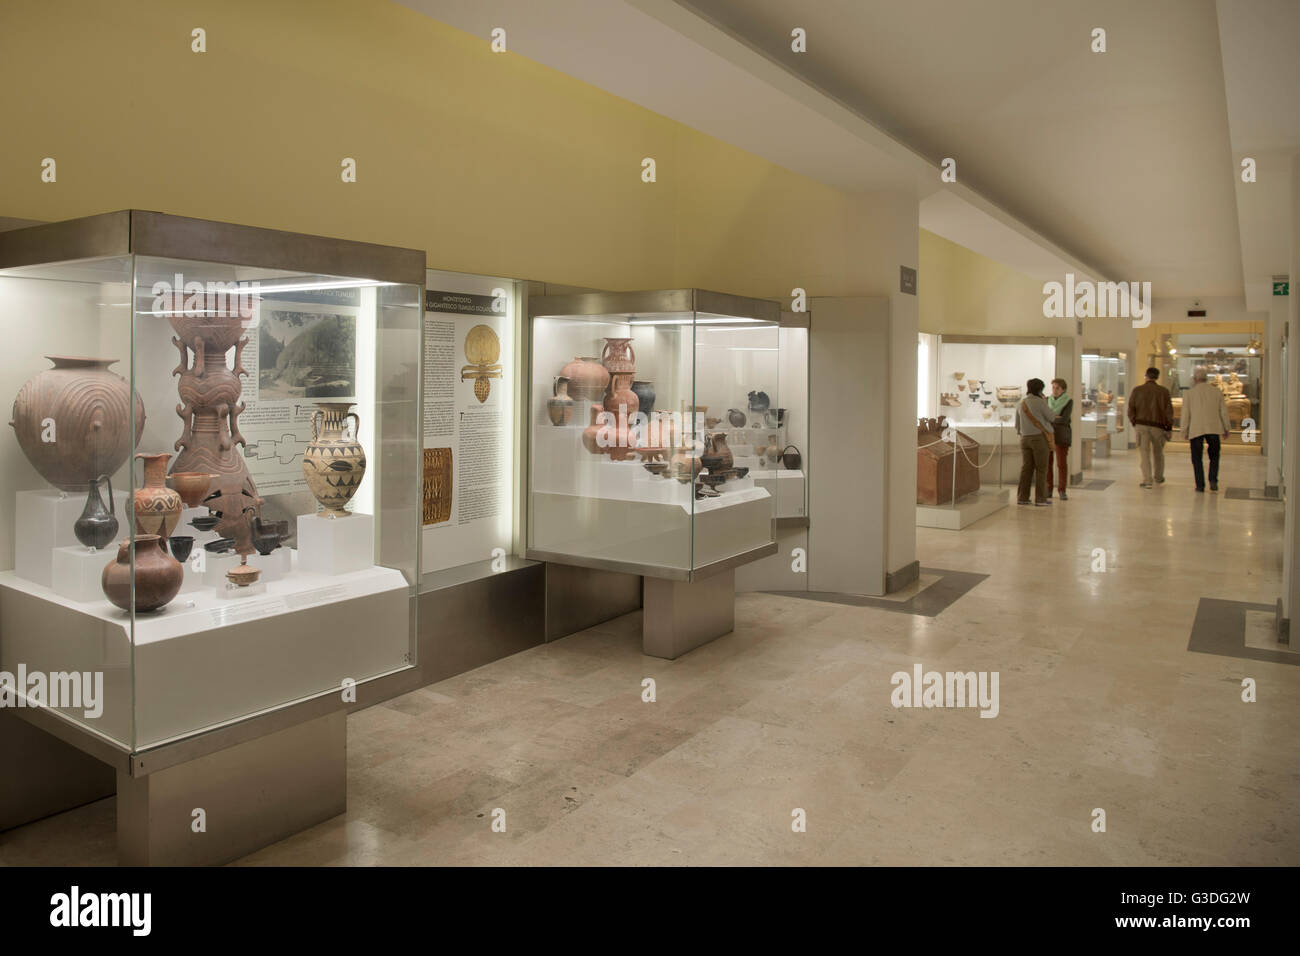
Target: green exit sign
(1281,288)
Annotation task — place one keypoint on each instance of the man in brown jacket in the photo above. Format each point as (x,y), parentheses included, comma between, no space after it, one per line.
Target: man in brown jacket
(1151,412)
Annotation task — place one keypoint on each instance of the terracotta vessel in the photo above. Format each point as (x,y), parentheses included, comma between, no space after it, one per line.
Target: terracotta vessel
(645,394)
(192,486)
(588,379)
(592,430)
(621,399)
(559,409)
(155,507)
(717,455)
(207,327)
(624,447)
(334,463)
(243,574)
(158,576)
(686,464)
(73,421)
(617,356)
(97,525)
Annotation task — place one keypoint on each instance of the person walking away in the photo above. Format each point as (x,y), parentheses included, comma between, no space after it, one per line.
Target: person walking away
(1034,426)
(1062,406)
(1205,418)
(1151,413)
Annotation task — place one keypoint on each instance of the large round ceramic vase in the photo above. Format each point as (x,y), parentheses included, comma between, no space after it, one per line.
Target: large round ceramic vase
(158,576)
(207,327)
(73,421)
(155,507)
(334,463)
(588,379)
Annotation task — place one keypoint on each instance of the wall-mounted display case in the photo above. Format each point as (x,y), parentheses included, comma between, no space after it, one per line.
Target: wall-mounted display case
(210,494)
(659,439)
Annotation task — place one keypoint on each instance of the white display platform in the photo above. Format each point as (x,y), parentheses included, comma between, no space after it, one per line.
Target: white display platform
(969,509)
(273,566)
(43,521)
(215,567)
(335,545)
(77,571)
(204,660)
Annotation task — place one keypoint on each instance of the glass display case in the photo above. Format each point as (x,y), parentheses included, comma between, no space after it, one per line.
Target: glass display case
(1234,363)
(1104,389)
(209,491)
(659,442)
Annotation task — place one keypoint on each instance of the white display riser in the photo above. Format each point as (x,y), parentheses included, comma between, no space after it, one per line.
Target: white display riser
(969,509)
(652,534)
(202,659)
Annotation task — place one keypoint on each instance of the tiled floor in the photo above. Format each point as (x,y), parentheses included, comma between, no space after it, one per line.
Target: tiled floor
(1101,706)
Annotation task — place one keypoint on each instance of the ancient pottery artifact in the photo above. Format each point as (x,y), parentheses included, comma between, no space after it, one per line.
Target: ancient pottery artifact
(592,430)
(242,574)
(181,545)
(657,468)
(717,455)
(158,576)
(156,509)
(482,349)
(791,459)
(192,486)
(759,402)
(645,394)
(219,546)
(588,379)
(436,489)
(73,421)
(740,472)
(267,535)
(210,405)
(560,408)
(736,418)
(617,356)
(621,398)
(686,464)
(97,525)
(205,522)
(334,464)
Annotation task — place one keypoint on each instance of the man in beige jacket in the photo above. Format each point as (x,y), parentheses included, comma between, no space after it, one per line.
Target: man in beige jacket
(1205,418)
(1151,412)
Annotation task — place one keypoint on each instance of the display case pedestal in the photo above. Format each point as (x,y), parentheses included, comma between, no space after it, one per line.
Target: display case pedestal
(251,795)
(336,545)
(679,616)
(77,572)
(43,521)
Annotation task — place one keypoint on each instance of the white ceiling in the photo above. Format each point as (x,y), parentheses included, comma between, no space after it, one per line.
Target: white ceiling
(1115,165)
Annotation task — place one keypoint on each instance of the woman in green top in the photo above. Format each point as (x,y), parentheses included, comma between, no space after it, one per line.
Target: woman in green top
(1062,405)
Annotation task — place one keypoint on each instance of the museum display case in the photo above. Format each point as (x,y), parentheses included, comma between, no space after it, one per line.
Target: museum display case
(1100,400)
(1234,363)
(659,439)
(209,492)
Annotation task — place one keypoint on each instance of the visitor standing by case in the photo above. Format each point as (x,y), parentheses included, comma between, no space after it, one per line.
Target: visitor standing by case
(1033,424)
(1151,413)
(1062,406)
(1205,418)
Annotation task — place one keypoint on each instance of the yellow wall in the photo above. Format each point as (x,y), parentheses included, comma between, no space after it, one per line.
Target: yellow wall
(489,162)
(964,292)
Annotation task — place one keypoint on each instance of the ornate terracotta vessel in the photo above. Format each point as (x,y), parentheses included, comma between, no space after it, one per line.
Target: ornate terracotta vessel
(588,379)
(560,408)
(243,574)
(621,398)
(617,356)
(210,405)
(158,576)
(73,421)
(155,507)
(97,525)
(192,486)
(334,463)
(717,457)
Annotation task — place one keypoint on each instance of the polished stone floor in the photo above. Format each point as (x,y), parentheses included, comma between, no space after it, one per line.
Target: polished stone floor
(1101,706)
